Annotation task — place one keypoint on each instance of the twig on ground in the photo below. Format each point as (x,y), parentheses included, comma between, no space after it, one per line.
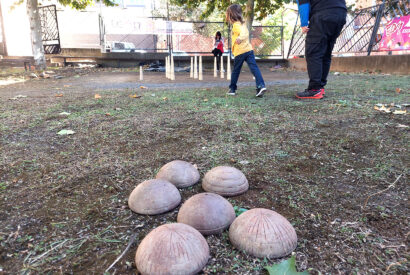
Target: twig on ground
(395,264)
(390,186)
(130,243)
(48,251)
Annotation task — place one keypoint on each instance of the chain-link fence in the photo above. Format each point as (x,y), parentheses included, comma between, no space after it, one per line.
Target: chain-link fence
(120,31)
(363,31)
(197,37)
(267,41)
(183,37)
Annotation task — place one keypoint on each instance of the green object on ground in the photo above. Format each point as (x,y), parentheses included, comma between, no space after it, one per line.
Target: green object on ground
(239,210)
(65,132)
(287,267)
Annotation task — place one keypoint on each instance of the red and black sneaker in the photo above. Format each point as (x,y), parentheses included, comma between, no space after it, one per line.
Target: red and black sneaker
(310,94)
(322,90)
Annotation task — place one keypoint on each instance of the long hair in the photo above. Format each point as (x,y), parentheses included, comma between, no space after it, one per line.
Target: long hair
(234,14)
(218,34)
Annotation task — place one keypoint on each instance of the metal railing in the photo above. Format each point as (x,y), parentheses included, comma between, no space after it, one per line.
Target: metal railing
(362,32)
(49,29)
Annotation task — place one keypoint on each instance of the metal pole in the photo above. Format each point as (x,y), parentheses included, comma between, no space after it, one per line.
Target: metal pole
(58,31)
(293,35)
(375,28)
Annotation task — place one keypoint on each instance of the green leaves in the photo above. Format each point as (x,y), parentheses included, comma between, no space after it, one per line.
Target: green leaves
(82,4)
(239,210)
(287,267)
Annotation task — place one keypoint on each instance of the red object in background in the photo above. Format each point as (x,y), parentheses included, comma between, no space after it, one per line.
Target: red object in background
(396,35)
(220,47)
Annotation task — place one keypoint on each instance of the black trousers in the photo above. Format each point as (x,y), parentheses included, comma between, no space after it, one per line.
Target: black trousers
(324,28)
(217,53)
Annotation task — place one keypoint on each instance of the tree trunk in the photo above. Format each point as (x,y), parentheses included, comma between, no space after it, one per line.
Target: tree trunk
(249,13)
(35,30)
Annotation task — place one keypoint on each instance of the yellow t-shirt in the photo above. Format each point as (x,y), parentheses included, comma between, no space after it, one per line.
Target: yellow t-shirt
(240,31)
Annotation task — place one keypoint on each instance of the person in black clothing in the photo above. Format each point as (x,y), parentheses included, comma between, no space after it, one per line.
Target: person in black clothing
(218,48)
(322,21)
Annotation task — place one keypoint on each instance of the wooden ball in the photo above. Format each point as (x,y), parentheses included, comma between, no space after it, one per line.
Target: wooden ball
(180,173)
(174,248)
(225,181)
(154,197)
(263,233)
(208,213)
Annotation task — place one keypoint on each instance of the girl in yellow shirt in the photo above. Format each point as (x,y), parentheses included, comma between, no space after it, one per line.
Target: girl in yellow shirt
(242,50)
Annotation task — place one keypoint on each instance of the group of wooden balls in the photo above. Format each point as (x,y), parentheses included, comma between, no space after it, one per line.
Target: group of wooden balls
(180,248)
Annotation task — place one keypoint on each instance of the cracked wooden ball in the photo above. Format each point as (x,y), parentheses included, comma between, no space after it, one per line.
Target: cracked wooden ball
(208,213)
(153,197)
(225,181)
(263,233)
(180,173)
(174,248)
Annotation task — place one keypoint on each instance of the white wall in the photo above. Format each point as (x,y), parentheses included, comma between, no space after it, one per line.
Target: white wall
(78,29)
(16,29)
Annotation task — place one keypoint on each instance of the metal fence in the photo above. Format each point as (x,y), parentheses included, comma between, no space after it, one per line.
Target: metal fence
(49,29)
(188,37)
(362,32)
(267,41)
(119,30)
(200,40)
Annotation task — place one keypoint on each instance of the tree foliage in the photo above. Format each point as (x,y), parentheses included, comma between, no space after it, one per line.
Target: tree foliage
(82,4)
(262,7)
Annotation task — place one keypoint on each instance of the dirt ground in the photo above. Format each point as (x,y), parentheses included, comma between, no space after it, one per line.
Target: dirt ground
(336,168)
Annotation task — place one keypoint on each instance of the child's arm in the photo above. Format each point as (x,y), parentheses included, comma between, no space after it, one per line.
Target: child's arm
(304,9)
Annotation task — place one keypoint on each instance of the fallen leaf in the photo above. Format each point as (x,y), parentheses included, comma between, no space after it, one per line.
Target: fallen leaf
(402,126)
(399,112)
(64,114)
(97,96)
(59,95)
(143,87)
(382,109)
(287,267)
(67,86)
(205,100)
(66,132)
(398,90)
(135,96)
(107,114)
(165,98)
(314,111)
